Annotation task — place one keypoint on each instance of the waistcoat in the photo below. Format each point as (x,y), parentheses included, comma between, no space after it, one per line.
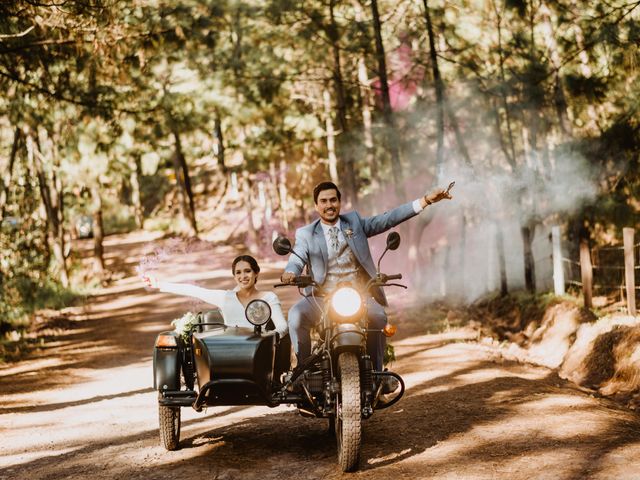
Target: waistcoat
(342,267)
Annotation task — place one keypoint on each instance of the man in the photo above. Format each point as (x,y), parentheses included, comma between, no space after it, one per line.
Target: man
(337,249)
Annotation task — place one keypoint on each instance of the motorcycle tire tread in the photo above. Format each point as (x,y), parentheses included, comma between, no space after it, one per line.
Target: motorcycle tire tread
(169,419)
(351,423)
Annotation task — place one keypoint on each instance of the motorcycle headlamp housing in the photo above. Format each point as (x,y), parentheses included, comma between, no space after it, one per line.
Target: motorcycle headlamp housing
(258,312)
(345,305)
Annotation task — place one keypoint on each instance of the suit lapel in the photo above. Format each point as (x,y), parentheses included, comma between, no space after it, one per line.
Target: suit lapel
(344,227)
(318,237)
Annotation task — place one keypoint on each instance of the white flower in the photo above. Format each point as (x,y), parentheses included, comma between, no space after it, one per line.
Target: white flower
(184,324)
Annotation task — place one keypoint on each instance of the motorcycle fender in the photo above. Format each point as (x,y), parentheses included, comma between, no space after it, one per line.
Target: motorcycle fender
(166,368)
(347,337)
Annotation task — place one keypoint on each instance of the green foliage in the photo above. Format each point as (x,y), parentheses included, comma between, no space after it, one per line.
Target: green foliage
(163,224)
(104,89)
(120,221)
(520,6)
(22,296)
(389,354)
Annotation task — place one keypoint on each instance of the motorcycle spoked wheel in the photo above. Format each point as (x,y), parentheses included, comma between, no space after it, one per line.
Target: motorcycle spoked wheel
(169,422)
(348,423)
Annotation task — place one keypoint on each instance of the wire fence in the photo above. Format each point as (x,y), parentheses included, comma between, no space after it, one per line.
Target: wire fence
(492,259)
(608,271)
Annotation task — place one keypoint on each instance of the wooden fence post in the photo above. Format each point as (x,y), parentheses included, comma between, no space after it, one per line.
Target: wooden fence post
(629,270)
(586,271)
(558,271)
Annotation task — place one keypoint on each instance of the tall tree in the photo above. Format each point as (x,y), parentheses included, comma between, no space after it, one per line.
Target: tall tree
(392,133)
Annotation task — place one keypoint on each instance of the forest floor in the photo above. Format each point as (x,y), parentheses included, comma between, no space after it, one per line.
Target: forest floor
(82,406)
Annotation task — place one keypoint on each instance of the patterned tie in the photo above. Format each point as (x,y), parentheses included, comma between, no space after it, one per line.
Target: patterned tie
(333,238)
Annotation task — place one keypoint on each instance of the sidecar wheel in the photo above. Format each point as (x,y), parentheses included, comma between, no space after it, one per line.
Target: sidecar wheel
(169,426)
(348,420)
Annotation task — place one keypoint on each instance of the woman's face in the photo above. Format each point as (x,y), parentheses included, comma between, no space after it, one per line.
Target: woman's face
(244,275)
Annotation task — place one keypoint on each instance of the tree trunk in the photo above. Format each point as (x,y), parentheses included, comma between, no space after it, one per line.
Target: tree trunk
(509,152)
(252,230)
(283,195)
(367,124)
(546,22)
(50,197)
(184,184)
(7,175)
(392,134)
(218,147)
(98,232)
(439,92)
(136,198)
(331,138)
(502,264)
(462,147)
(348,167)
(529,265)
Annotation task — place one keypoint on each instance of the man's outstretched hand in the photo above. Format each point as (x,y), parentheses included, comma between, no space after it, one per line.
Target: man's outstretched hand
(437,195)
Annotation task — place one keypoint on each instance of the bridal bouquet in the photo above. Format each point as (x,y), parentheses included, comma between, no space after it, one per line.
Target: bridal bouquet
(184,324)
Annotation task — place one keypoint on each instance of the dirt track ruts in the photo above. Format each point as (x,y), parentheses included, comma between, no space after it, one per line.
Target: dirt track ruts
(83,407)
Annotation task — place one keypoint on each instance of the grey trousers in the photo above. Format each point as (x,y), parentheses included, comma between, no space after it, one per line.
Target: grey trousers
(304,315)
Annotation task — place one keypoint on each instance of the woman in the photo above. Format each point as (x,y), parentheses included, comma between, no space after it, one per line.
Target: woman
(245,271)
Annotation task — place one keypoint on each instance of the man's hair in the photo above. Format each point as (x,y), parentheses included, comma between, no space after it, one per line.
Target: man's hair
(325,186)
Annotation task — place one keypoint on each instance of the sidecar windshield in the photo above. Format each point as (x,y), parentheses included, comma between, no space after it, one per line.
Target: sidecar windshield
(213,316)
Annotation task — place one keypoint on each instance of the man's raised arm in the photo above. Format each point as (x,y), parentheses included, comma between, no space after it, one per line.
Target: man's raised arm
(383,222)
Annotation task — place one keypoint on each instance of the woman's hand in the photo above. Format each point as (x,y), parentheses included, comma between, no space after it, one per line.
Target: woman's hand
(149,280)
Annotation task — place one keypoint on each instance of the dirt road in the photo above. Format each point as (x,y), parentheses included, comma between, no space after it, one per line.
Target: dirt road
(83,406)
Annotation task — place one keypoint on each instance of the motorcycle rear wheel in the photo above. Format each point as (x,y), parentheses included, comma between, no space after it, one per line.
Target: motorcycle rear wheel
(169,419)
(348,419)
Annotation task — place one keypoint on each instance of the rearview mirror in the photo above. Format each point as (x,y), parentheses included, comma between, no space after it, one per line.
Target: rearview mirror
(393,241)
(282,246)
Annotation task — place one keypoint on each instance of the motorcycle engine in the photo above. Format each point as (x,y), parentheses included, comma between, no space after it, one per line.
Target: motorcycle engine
(314,382)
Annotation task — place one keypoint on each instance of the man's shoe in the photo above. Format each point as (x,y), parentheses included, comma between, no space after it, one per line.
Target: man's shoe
(389,385)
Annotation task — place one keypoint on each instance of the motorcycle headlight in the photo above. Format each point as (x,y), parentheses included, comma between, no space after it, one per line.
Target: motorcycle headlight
(258,312)
(346,304)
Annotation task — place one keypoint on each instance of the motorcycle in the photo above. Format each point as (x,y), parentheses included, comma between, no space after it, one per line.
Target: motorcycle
(212,364)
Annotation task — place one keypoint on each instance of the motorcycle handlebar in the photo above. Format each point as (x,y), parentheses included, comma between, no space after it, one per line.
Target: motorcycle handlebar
(382,279)
(298,281)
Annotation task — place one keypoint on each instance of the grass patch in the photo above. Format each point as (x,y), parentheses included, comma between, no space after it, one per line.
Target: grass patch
(119,222)
(504,316)
(161,224)
(424,319)
(19,304)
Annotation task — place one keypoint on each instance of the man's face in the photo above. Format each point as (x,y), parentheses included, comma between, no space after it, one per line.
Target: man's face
(328,206)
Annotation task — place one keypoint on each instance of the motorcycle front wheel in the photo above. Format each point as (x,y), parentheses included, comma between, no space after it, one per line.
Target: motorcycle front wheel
(348,419)
(169,419)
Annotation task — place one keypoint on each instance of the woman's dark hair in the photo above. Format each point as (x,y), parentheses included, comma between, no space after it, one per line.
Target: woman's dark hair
(245,258)
(324,186)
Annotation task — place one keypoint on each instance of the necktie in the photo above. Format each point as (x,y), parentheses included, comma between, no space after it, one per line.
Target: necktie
(333,238)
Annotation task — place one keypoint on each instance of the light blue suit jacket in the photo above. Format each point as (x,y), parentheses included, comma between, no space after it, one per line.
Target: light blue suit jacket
(311,245)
